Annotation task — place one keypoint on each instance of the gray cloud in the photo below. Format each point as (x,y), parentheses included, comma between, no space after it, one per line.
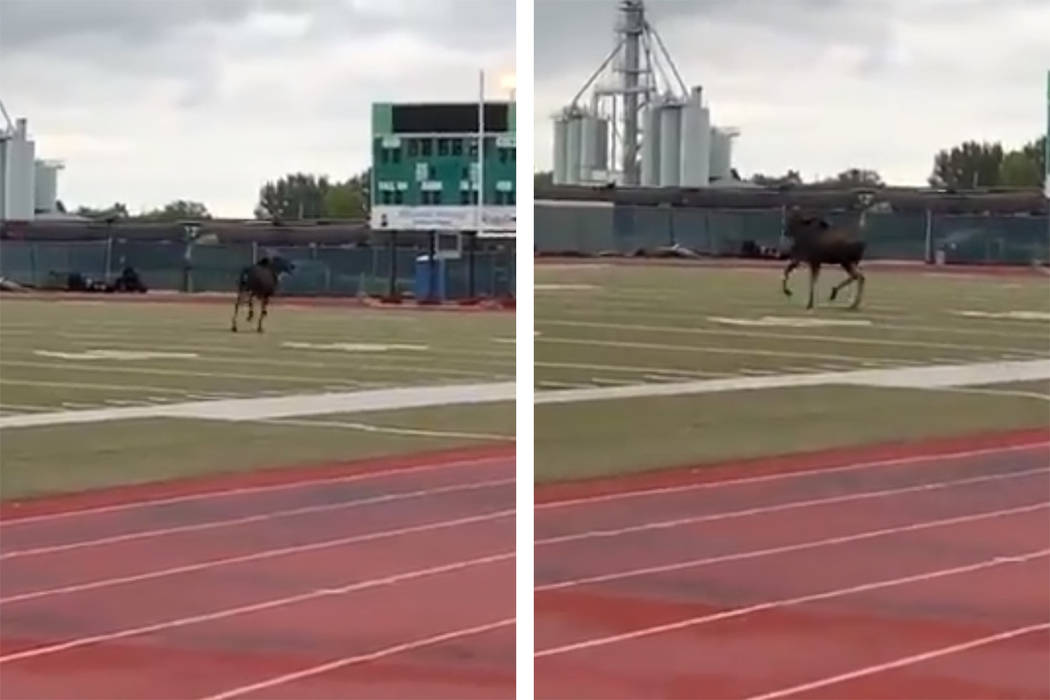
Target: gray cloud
(823,85)
(151,100)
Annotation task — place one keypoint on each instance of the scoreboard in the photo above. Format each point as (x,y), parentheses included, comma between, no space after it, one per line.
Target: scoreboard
(425,167)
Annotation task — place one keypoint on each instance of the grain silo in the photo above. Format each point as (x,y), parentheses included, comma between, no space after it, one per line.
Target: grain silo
(651,147)
(561,127)
(16,173)
(695,151)
(670,144)
(45,186)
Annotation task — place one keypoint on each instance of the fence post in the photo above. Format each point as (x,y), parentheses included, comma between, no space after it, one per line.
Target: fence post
(109,258)
(432,266)
(393,266)
(255,252)
(929,236)
(471,245)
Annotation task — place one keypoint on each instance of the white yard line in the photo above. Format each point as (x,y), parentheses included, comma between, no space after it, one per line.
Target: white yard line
(284,406)
(932,377)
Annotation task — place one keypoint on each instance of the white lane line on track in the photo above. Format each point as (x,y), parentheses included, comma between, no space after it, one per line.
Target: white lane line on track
(789,505)
(362,658)
(259,517)
(254,607)
(895,461)
(256,556)
(800,546)
(240,491)
(785,602)
(904,661)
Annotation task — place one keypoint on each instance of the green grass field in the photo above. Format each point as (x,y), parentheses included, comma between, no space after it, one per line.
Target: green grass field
(429,348)
(609,325)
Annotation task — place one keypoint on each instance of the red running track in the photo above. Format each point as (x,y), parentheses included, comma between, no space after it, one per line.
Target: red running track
(366,581)
(897,573)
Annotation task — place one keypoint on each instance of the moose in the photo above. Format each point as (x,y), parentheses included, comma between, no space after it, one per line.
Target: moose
(815,242)
(259,281)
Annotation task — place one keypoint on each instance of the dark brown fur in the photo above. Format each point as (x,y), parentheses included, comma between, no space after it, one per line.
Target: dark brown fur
(815,242)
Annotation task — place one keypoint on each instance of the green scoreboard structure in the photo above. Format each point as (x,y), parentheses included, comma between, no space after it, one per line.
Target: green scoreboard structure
(425,167)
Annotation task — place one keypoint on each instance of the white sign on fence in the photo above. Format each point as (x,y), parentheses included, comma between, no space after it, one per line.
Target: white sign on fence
(443,218)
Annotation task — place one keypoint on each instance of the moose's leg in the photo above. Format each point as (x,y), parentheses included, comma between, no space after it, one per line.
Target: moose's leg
(251,307)
(860,288)
(236,308)
(787,273)
(851,271)
(814,273)
(263,302)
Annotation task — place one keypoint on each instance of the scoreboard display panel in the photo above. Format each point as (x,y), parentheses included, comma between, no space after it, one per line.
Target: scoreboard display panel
(425,173)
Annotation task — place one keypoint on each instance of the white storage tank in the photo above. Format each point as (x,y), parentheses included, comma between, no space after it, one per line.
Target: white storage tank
(651,147)
(601,145)
(588,137)
(17,191)
(721,160)
(573,150)
(45,196)
(696,143)
(560,143)
(670,144)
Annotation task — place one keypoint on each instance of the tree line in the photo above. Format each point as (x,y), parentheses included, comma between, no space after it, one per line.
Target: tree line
(969,165)
(292,197)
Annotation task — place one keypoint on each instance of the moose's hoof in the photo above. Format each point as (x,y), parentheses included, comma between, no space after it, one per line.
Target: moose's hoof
(834,293)
(787,292)
(233,329)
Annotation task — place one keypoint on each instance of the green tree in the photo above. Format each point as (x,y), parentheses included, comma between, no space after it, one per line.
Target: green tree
(345,201)
(119,210)
(295,196)
(854,177)
(178,210)
(791,177)
(968,165)
(1019,169)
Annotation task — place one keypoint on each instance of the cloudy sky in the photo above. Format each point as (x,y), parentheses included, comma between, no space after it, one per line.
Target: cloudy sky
(148,101)
(824,85)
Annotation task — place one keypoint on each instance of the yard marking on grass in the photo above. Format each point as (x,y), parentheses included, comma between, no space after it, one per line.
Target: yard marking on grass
(100,387)
(784,549)
(934,376)
(904,661)
(34,652)
(244,520)
(117,355)
(1004,560)
(629,368)
(820,471)
(290,406)
(792,505)
(257,556)
(712,349)
(250,490)
(804,337)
